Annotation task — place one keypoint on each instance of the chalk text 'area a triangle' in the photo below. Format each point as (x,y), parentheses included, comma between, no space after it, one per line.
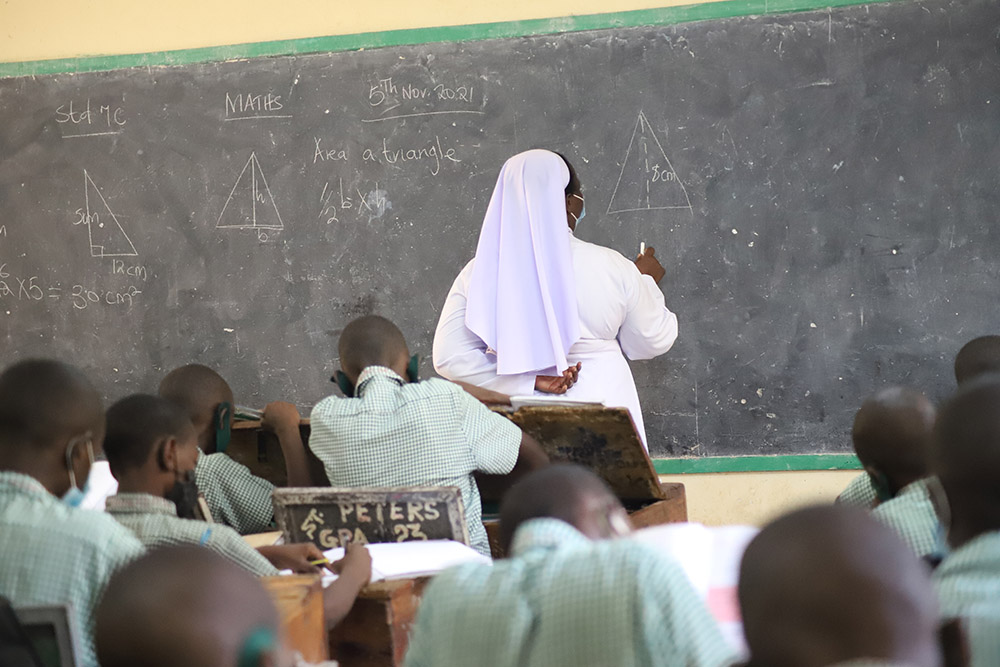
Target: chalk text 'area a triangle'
(647,180)
(250,204)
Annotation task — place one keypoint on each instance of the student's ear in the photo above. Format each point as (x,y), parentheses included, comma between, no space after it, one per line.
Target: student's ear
(166,454)
(345,384)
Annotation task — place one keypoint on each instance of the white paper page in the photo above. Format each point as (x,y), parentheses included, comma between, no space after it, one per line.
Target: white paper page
(403,560)
(688,544)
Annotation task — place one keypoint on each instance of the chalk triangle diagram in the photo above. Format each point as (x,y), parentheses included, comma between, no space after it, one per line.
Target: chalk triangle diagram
(647,180)
(107,236)
(250,204)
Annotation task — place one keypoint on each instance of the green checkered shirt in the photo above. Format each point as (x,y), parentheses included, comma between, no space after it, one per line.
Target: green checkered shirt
(53,554)
(561,599)
(968,585)
(911,514)
(155,522)
(859,493)
(429,433)
(235,496)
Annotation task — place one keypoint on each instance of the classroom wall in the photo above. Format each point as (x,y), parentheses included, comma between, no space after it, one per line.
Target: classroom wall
(38,30)
(33,30)
(754,498)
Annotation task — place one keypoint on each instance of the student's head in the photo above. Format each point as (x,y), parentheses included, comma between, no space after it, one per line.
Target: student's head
(574,195)
(372,341)
(891,435)
(830,584)
(152,448)
(51,424)
(965,456)
(207,399)
(186,607)
(567,492)
(978,356)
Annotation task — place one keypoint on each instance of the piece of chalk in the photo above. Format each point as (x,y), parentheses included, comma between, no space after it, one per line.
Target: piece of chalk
(642,248)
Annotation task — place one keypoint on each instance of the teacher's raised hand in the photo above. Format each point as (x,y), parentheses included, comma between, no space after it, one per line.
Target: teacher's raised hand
(558,384)
(649,265)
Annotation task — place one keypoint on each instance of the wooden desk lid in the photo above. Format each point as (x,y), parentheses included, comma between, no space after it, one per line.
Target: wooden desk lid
(601,439)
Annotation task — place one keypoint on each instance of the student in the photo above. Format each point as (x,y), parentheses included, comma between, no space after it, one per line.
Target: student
(568,594)
(235,496)
(398,432)
(891,435)
(152,447)
(829,585)
(188,607)
(977,357)
(965,457)
(859,492)
(51,552)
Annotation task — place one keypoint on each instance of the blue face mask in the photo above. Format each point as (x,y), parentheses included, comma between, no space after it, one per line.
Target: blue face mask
(75,495)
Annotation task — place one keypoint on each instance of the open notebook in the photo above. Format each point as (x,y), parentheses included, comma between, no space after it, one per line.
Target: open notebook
(710,556)
(405,560)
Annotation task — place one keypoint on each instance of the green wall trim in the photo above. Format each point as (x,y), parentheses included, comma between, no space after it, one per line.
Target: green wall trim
(462,33)
(714,464)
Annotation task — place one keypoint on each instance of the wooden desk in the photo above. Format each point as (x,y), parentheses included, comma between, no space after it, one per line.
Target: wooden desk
(603,440)
(260,451)
(299,599)
(376,631)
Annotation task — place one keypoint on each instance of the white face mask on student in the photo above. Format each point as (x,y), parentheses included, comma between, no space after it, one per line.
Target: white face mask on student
(75,495)
(583,211)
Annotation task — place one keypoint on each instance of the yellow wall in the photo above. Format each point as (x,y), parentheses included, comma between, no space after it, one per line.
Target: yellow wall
(754,498)
(42,29)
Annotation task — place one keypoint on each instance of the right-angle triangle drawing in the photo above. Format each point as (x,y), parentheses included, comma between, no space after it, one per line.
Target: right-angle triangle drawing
(647,180)
(250,204)
(106,234)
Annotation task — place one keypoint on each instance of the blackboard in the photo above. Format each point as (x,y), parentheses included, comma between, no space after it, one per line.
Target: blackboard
(333,517)
(822,189)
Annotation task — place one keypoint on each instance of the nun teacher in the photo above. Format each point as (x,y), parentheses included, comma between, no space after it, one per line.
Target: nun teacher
(538,310)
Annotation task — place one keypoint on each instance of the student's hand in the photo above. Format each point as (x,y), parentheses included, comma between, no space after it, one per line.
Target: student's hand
(280,416)
(649,265)
(295,557)
(355,565)
(558,384)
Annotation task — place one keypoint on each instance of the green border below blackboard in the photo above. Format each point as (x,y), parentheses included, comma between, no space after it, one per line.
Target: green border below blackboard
(791,463)
(462,33)
(664,16)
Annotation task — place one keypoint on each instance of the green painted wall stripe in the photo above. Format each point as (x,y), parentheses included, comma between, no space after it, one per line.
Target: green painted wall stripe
(715,464)
(463,33)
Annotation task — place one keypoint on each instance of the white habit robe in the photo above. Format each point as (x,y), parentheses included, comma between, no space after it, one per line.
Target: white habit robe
(622,314)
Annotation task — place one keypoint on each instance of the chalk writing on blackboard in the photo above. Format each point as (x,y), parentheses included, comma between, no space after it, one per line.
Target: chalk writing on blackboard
(388,95)
(109,119)
(106,234)
(334,201)
(250,204)
(647,180)
(251,106)
(35,289)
